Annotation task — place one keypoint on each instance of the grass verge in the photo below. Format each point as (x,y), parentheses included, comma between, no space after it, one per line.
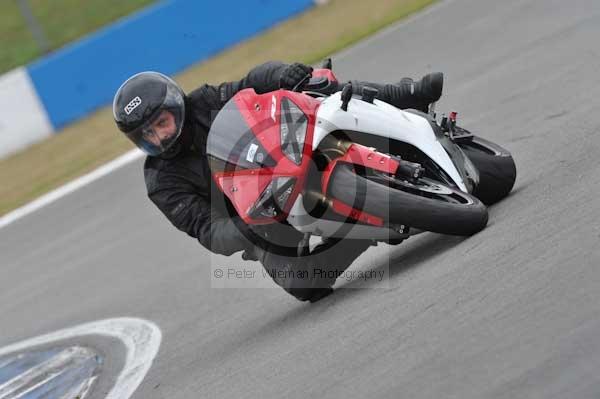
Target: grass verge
(61,22)
(86,144)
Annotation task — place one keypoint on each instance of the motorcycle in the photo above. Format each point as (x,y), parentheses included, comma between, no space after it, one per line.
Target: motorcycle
(346,165)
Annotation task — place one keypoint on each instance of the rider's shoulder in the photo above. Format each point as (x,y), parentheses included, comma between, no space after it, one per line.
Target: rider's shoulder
(201,94)
(158,172)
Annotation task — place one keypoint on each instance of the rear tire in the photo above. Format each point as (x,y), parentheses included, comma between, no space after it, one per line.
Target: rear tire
(461,214)
(497,170)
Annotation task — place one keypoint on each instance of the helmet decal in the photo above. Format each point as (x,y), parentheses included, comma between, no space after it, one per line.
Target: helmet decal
(133,104)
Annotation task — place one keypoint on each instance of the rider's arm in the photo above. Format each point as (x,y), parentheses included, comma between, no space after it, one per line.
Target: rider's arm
(208,99)
(262,78)
(192,213)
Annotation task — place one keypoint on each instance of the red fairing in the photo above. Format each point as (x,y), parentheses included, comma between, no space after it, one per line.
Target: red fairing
(358,154)
(243,188)
(328,73)
(262,113)
(361,155)
(356,214)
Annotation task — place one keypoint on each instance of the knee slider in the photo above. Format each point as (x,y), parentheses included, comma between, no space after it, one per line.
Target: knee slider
(309,294)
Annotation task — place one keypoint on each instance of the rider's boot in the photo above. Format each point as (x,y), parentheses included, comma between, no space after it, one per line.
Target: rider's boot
(425,91)
(407,93)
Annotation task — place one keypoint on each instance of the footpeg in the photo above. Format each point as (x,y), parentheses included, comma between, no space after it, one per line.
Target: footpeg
(454,132)
(369,94)
(346,96)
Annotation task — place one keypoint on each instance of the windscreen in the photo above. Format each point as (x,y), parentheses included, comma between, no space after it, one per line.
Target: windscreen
(232,144)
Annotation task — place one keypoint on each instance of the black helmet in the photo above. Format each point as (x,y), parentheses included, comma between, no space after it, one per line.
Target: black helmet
(149,108)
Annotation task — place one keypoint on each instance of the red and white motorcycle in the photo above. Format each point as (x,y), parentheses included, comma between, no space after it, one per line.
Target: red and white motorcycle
(348,165)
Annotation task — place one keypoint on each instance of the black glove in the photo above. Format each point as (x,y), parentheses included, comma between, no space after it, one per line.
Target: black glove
(293,74)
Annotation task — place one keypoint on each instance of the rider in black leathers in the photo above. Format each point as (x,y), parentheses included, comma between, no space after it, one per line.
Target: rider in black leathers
(179,182)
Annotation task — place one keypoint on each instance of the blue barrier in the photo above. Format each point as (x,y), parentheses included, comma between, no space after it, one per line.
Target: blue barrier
(167,37)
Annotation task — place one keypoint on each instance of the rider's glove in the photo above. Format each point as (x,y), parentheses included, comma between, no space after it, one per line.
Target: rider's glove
(293,74)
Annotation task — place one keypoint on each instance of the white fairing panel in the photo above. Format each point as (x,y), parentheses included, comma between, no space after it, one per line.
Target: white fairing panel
(384,120)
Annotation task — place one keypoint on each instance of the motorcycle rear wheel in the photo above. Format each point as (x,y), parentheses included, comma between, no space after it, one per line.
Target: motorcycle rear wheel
(497,170)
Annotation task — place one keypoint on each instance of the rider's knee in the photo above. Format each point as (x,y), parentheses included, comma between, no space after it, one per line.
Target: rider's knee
(309,294)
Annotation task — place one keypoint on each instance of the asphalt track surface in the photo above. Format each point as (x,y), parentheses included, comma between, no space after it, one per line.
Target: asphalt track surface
(513,311)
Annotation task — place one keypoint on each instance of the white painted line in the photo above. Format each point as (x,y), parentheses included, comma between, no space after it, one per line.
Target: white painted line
(70,187)
(141,338)
(70,366)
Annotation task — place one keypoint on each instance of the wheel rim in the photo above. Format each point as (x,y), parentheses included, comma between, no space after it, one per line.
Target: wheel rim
(425,187)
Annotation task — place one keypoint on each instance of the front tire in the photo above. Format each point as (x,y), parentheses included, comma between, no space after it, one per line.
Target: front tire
(426,205)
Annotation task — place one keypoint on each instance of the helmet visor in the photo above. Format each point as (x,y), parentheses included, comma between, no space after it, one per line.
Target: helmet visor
(163,129)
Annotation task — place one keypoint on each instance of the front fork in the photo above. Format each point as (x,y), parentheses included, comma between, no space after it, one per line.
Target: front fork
(362,157)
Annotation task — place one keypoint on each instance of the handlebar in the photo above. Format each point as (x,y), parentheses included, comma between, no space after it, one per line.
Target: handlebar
(300,85)
(320,85)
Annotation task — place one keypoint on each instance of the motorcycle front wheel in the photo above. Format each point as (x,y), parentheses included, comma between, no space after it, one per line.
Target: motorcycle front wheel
(423,204)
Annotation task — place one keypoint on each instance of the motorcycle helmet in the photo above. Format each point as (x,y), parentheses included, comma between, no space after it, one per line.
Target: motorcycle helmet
(149,109)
